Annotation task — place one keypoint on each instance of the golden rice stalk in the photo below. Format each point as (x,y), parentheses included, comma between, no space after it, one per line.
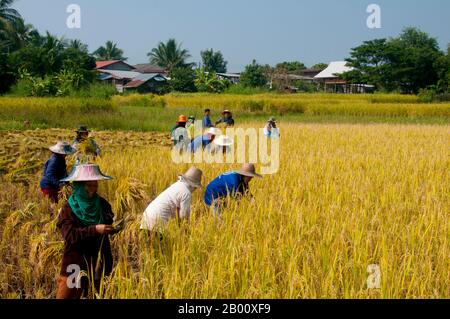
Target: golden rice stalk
(128,192)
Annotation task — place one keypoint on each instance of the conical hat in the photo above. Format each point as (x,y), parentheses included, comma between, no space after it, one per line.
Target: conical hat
(223,140)
(86,173)
(62,148)
(213,131)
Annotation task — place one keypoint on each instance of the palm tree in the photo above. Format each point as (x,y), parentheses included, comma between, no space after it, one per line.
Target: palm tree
(53,48)
(23,34)
(109,52)
(169,55)
(7,14)
(3,45)
(78,45)
(8,18)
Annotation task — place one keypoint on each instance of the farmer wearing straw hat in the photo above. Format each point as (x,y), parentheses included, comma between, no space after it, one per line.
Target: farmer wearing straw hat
(226,119)
(233,184)
(83,138)
(180,136)
(205,140)
(55,169)
(85,221)
(271,129)
(174,202)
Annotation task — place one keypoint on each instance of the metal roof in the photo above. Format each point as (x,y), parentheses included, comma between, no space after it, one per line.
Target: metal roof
(229,75)
(148,76)
(143,78)
(292,77)
(149,68)
(121,74)
(336,67)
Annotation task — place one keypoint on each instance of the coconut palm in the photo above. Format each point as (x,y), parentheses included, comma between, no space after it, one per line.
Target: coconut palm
(23,34)
(78,45)
(8,17)
(4,45)
(109,52)
(169,55)
(7,14)
(53,48)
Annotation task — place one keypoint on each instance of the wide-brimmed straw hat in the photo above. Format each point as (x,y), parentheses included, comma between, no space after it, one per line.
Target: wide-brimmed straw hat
(86,173)
(62,148)
(226,111)
(272,120)
(223,140)
(193,177)
(248,170)
(82,129)
(213,131)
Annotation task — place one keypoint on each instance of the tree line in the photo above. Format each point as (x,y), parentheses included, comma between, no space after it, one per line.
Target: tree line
(43,64)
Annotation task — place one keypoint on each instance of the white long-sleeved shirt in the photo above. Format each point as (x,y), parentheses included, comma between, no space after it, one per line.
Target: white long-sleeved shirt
(165,206)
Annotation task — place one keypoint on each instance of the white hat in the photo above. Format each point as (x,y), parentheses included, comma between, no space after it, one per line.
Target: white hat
(223,140)
(62,148)
(213,131)
(86,173)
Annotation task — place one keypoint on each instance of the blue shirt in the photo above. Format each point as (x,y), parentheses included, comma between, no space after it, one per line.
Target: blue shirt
(226,184)
(200,141)
(54,170)
(206,122)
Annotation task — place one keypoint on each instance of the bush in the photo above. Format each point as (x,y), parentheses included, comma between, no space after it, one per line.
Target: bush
(98,90)
(21,88)
(430,95)
(182,79)
(60,84)
(245,90)
(254,75)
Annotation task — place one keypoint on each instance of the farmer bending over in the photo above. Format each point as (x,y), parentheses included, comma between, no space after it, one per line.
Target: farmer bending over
(174,202)
(55,169)
(204,140)
(234,184)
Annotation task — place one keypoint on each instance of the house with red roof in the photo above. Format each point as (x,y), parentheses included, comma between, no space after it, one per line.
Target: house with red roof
(124,76)
(114,65)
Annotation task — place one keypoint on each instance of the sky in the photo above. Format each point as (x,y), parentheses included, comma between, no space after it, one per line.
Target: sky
(270,31)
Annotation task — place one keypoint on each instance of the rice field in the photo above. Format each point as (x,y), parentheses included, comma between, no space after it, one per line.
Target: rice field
(346,196)
(158,113)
